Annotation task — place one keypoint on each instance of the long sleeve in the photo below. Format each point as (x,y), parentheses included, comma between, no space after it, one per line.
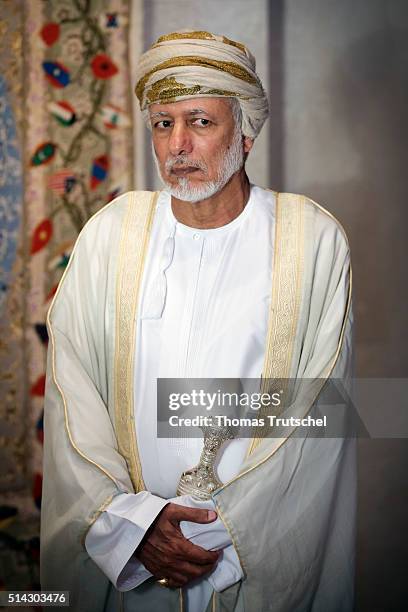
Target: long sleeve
(118,531)
(83,469)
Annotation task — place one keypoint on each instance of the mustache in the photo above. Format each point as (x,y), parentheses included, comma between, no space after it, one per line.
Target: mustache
(183,161)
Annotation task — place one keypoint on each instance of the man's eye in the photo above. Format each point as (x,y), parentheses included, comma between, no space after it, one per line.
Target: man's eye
(201,122)
(164,123)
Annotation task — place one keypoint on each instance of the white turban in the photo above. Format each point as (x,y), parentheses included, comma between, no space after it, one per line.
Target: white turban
(191,64)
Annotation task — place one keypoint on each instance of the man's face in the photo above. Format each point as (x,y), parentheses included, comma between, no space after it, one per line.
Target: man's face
(198,147)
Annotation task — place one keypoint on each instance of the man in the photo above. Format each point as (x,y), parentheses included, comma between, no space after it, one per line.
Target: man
(213,277)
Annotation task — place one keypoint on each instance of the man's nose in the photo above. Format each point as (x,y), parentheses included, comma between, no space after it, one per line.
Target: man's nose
(180,140)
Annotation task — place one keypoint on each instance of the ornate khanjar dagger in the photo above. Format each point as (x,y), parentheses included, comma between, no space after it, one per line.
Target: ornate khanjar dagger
(201,481)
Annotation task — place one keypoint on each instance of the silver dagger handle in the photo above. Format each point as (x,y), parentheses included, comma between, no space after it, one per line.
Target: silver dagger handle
(201,481)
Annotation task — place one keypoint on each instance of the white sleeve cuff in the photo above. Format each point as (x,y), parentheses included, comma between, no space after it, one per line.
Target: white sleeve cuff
(117,532)
(212,536)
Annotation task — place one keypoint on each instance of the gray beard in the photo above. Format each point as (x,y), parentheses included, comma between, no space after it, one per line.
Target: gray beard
(230,161)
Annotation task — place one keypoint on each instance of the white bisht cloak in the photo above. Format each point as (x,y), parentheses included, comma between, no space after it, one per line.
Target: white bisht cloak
(291,510)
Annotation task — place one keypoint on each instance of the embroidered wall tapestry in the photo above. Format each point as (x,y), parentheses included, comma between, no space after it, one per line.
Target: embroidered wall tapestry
(66,150)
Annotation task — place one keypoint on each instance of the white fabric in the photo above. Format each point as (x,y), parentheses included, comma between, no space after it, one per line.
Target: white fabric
(186,269)
(186,331)
(114,536)
(209,80)
(117,532)
(290,512)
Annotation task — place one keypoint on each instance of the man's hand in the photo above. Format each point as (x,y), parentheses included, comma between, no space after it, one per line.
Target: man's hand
(166,553)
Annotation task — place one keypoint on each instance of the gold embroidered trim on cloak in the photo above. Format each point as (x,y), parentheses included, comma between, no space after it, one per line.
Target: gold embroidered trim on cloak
(52,340)
(330,368)
(286,295)
(231,68)
(132,253)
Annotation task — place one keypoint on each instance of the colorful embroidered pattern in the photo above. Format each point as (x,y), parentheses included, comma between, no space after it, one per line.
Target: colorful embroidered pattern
(65,108)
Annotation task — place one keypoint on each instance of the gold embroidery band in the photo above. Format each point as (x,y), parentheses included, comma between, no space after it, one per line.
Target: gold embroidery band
(199,35)
(231,68)
(132,253)
(326,375)
(61,391)
(286,292)
(193,35)
(168,89)
(53,351)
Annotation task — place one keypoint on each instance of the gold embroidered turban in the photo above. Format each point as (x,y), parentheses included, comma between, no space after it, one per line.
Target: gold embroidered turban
(191,64)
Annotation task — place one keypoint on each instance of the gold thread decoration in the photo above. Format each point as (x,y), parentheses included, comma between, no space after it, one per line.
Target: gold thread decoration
(231,68)
(168,89)
(53,355)
(193,35)
(199,35)
(234,43)
(327,375)
(224,92)
(132,253)
(286,296)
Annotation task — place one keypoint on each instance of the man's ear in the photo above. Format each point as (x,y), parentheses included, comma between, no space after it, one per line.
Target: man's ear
(248,144)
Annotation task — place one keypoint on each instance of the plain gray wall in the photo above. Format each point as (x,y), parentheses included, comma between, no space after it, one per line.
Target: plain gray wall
(344,143)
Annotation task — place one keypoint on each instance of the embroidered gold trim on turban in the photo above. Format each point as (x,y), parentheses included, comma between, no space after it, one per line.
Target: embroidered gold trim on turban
(230,67)
(200,34)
